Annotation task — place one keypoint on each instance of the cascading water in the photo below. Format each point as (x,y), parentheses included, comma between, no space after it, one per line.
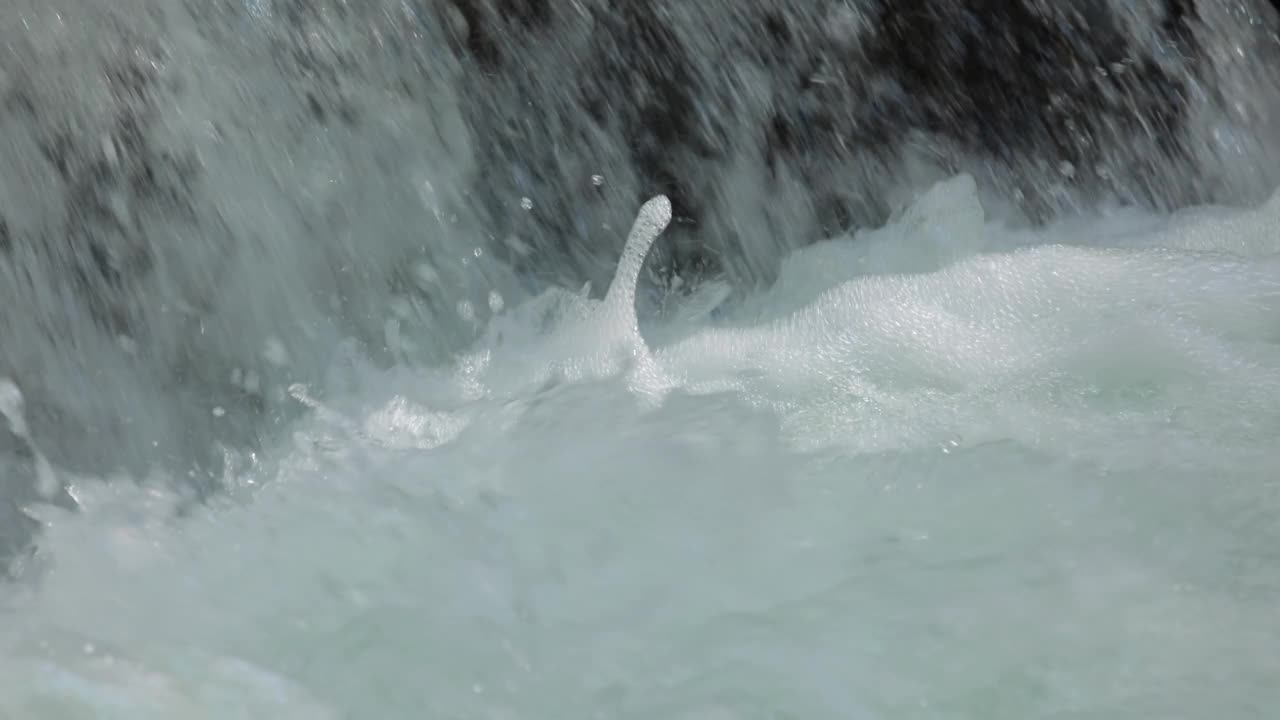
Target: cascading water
(937,377)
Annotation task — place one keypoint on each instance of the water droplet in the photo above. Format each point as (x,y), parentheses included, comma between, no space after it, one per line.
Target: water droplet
(496,302)
(219,412)
(466,311)
(526,203)
(597,180)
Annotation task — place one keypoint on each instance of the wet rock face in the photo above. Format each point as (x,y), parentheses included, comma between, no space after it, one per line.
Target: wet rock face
(95,198)
(104,181)
(187,187)
(1060,103)
(578,111)
(1027,84)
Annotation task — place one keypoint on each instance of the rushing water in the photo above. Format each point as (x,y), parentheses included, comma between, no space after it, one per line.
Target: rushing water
(339,449)
(1032,478)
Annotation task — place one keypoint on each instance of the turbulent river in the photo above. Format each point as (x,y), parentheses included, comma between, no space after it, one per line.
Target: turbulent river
(947,466)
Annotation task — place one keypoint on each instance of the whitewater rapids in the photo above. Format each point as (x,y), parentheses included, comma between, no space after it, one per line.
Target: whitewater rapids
(942,469)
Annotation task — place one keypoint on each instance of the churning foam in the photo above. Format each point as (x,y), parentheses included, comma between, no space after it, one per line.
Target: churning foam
(941,468)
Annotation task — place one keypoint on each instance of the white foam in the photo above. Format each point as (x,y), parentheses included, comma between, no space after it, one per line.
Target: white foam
(564,336)
(841,507)
(620,302)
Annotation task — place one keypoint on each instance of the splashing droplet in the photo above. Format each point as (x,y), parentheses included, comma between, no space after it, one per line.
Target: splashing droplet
(653,218)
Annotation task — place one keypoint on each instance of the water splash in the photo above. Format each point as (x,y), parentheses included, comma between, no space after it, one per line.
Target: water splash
(579,338)
(11,407)
(620,302)
(1071,428)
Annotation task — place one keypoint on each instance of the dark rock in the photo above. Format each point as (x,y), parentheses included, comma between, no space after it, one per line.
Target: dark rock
(1061,104)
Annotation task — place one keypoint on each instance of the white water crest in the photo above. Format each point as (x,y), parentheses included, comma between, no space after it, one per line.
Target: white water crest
(942,469)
